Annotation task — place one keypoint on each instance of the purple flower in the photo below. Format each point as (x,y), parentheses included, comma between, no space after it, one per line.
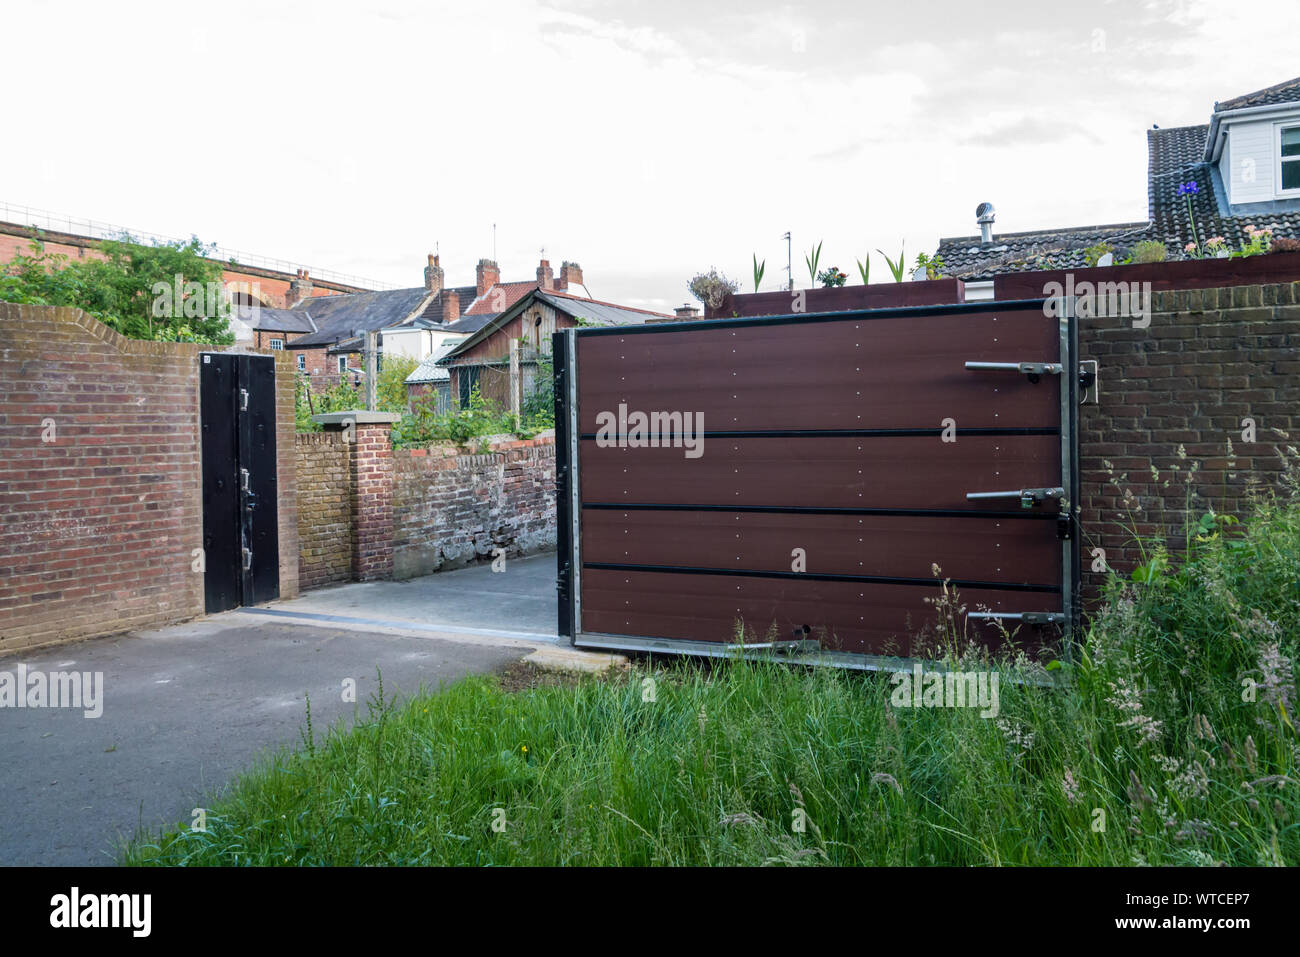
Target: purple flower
(1186,188)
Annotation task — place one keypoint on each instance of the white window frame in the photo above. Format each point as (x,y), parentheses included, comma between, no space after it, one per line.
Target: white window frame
(302,362)
(277,345)
(343,365)
(1278,127)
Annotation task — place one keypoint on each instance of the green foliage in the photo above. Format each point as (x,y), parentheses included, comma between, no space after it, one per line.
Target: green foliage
(390,390)
(832,277)
(896,268)
(933,267)
(1093,253)
(424,424)
(759,269)
(132,290)
(864,269)
(1168,738)
(811,258)
(304,406)
(538,408)
(1149,251)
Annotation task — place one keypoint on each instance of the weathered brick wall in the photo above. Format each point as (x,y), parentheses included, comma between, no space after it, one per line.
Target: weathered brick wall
(100,481)
(325,534)
(452,509)
(1209,359)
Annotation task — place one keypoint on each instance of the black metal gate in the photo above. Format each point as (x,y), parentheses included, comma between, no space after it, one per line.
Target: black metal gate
(241,544)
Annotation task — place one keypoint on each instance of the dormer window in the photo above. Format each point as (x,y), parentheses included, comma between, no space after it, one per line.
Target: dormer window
(1288,141)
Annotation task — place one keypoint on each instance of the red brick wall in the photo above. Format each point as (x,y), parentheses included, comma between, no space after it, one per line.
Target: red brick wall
(101,523)
(452,509)
(325,539)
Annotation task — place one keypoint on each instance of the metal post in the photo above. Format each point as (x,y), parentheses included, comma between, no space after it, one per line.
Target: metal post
(372,377)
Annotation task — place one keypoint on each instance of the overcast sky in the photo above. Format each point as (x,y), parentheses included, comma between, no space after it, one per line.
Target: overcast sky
(645,140)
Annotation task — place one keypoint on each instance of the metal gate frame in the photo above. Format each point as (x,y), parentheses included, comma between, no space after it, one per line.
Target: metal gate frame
(569,485)
(239,482)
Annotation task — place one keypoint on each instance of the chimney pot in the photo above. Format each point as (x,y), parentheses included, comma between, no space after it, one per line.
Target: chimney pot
(433,275)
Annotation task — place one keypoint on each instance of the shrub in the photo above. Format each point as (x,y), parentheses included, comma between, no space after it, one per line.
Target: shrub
(832,277)
(1149,251)
(712,288)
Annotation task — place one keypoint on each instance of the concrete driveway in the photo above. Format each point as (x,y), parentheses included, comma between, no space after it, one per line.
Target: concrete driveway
(186,708)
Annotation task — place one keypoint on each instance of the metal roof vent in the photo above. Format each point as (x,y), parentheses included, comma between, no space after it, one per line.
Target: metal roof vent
(984,214)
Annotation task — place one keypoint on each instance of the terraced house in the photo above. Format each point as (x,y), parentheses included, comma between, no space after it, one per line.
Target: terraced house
(1241,172)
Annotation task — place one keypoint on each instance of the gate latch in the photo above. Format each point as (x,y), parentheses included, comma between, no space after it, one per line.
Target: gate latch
(248,559)
(243,479)
(243,400)
(1034,370)
(1029,497)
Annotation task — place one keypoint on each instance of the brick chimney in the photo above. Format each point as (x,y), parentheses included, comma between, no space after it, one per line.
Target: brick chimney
(545,275)
(450,300)
(687,311)
(433,275)
(299,289)
(570,275)
(488,273)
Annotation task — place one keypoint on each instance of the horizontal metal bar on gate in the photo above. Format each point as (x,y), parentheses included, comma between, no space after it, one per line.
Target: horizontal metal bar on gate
(812,576)
(896,312)
(848,433)
(821,510)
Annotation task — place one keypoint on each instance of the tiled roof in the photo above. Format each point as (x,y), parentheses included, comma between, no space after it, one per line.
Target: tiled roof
(337,317)
(274,320)
(1287,91)
(604,313)
(1175,159)
(429,370)
(492,303)
(965,257)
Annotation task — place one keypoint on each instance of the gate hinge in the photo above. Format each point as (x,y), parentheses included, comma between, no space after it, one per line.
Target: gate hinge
(1064,527)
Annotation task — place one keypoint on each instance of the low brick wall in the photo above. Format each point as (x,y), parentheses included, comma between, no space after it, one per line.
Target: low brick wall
(100,479)
(368,511)
(325,531)
(451,509)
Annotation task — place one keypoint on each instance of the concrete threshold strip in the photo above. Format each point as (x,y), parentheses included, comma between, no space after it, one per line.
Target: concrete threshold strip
(547,653)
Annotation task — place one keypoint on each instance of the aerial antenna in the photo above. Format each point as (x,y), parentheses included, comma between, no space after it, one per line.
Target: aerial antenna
(789,262)
(494,242)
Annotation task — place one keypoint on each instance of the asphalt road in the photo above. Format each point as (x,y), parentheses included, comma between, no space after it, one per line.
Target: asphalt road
(186,708)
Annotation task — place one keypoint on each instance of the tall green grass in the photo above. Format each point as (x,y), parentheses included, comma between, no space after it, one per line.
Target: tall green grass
(1169,740)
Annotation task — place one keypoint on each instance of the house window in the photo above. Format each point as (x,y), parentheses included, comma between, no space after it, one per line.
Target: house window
(302,362)
(277,345)
(1289,158)
(343,365)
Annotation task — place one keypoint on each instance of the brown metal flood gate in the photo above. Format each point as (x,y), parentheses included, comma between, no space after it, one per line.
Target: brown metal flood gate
(874,444)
